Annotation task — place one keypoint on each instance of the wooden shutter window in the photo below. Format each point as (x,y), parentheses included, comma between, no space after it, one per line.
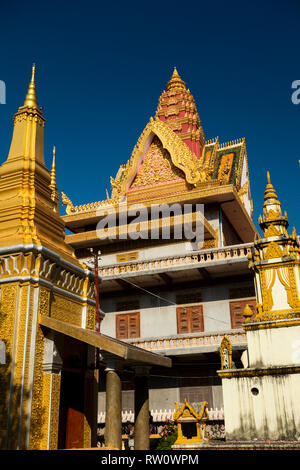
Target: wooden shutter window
(122,329)
(128,325)
(197,318)
(133,325)
(237,309)
(190,319)
(182,320)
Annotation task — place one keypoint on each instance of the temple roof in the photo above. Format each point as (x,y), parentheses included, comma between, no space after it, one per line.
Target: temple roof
(176,107)
(172,157)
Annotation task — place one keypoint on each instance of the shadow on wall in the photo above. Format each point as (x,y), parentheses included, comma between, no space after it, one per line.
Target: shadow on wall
(12,435)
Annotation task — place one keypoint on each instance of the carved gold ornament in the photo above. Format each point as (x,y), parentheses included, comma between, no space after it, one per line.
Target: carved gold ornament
(157,167)
(226,353)
(273,251)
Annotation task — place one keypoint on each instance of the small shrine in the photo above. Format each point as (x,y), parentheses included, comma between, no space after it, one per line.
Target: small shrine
(191,425)
(226,353)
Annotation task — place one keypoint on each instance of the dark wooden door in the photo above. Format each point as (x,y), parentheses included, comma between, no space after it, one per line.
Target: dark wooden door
(71,422)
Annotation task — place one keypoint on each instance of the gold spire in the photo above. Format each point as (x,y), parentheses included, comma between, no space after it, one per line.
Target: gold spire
(269,191)
(31,98)
(175,81)
(273,222)
(52,185)
(53,171)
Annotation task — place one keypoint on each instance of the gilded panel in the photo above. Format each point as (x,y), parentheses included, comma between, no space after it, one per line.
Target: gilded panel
(18,370)
(7,316)
(44,301)
(157,167)
(41,390)
(55,401)
(66,310)
(90,317)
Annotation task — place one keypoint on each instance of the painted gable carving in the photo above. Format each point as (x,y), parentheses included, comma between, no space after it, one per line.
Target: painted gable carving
(157,167)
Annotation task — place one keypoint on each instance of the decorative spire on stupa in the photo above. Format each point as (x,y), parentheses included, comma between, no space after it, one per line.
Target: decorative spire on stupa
(31,98)
(28,142)
(28,195)
(275,263)
(272,222)
(53,186)
(177,109)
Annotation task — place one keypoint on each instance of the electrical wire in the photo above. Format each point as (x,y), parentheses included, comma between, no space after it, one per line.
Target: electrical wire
(166,300)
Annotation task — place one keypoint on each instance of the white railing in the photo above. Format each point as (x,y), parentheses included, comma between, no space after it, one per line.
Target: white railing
(215,414)
(190,340)
(196,258)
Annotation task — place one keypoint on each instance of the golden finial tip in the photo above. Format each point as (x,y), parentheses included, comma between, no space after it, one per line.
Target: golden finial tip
(175,73)
(33,73)
(31,98)
(268,177)
(175,81)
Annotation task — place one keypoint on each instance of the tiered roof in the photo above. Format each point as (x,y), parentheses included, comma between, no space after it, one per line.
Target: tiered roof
(172,160)
(178,110)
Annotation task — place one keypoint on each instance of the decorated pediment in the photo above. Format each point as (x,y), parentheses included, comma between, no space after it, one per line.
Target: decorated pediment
(181,163)
(157,167)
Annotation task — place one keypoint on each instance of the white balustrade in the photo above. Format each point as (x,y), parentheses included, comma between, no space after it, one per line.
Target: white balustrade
(199,257)
(190,340)
(214,414)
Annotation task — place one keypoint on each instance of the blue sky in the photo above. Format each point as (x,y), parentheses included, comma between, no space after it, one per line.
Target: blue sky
(101,68)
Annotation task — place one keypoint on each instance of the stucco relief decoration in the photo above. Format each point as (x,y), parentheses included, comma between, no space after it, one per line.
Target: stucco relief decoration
(181,156)
(226,353)
(269,276)
(273,251)
(157,167)
(286,277)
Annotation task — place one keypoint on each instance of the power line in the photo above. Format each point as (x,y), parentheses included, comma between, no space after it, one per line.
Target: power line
(166,300)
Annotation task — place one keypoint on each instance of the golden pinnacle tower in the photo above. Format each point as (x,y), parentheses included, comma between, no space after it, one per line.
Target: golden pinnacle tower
(177,109)
(28,212)
(52,186)
(275,263)
(266,402)
(40,280)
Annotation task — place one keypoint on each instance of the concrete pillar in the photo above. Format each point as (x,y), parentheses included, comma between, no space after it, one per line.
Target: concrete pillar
(113,419)
(141,406)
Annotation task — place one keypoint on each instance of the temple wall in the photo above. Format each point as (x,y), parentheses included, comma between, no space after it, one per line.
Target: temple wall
(158,318)
(211,213)
(271,414)
(161,321)
(269,346)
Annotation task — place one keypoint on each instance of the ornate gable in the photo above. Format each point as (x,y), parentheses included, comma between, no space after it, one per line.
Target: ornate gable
(181,156)
(157,167)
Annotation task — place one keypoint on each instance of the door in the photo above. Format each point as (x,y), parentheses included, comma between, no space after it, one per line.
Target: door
(71,422)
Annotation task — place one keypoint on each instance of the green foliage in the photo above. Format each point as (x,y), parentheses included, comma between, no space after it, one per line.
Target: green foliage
(165,443)
(168,436)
